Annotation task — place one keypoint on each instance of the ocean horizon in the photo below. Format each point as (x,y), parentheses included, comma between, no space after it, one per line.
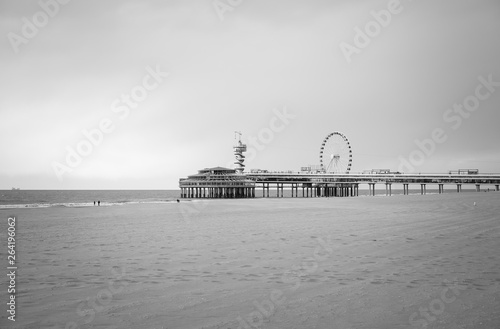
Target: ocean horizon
(10,199)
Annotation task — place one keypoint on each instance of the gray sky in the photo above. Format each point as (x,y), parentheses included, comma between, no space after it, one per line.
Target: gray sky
(235,73)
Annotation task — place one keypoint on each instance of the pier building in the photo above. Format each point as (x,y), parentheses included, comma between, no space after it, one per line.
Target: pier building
(217,183)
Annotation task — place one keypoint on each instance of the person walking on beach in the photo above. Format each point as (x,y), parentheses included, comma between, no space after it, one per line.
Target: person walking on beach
(99,202)
(94,203)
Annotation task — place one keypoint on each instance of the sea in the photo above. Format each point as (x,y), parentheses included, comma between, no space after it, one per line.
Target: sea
(82,198)
(85,198)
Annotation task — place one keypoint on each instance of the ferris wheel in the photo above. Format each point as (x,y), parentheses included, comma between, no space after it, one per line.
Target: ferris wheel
(335,155)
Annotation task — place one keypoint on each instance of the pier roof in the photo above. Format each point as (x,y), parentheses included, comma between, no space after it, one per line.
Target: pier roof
(217,169)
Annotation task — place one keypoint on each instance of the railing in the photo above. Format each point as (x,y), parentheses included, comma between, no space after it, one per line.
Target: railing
(365,174)
(300,177)
(217,183)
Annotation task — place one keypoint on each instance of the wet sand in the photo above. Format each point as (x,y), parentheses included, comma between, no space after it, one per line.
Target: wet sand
(366,262)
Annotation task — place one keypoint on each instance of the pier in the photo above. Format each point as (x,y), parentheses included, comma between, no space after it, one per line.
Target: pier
(333,179)
(344,185)
(329,185)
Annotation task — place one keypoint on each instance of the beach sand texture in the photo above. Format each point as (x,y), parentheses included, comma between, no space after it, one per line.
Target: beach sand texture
(366,262)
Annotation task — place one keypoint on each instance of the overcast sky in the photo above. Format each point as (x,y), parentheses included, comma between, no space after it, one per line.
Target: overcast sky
(200,71)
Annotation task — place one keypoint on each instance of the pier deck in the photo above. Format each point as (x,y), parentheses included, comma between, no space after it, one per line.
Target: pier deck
(325,184)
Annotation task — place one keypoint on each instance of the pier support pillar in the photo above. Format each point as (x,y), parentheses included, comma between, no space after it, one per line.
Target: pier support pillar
(459,188)
(371,187)
(388,189)
(423,189)
(478,188)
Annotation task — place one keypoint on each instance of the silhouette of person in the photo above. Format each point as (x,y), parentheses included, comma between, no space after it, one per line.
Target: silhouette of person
(99,202)
(178,201)
(94,203)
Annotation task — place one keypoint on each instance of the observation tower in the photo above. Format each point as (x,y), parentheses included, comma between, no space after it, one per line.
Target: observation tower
(220,182)
(238,154)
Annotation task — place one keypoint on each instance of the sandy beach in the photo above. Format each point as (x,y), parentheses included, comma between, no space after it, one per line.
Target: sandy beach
(368,262)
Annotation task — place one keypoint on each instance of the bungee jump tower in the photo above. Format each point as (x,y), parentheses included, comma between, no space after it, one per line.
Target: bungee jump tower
(219,182)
